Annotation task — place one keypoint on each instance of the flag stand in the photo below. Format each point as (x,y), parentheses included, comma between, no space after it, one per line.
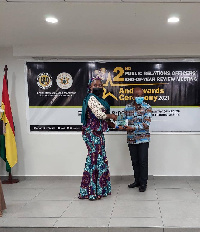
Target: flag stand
(10,178)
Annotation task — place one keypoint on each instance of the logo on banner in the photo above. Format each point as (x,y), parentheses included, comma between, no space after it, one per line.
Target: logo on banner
(44,80)
(64,80)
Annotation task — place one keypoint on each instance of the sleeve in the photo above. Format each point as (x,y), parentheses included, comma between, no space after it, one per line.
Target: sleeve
(125,112)
(134,126)
(96,108)
(147,118)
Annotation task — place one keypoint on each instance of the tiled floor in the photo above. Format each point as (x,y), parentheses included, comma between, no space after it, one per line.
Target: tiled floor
(169,205)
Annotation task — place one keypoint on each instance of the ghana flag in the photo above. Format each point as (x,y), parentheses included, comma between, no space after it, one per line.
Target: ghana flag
(8,146)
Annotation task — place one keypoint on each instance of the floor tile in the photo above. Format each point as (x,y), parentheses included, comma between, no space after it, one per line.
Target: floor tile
(43,209)
(109,198)
(181,230)
(65,184)
(33,184)
(134,229)
(136,222)
(171,178)
(197,191)
(80,229)
(194,183)
(25,229)
(136,209)
(58,194)
(91,209)
(1,221)
(135,195)
(82,222)
(168,205)
(125,183)
(13,207)
(167,183)
(176,194)
(179,222)
(29,222)
(180,209)
(115,186)
(21,194)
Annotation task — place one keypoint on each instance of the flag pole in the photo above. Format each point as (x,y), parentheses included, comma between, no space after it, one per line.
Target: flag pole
(10,179)
(6,72)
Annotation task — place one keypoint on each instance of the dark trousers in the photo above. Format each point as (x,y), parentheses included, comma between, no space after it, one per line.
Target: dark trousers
(139,158)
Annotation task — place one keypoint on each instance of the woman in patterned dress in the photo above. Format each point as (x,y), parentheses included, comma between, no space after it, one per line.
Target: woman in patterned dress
(95,118)
(2,201)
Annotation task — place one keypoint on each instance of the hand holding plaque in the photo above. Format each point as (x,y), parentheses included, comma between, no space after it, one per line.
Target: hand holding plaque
(121,122)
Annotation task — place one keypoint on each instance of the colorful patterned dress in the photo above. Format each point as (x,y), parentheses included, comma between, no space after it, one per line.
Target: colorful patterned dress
(96,176)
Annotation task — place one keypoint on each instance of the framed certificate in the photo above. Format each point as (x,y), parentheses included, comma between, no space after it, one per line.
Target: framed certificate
(121,121)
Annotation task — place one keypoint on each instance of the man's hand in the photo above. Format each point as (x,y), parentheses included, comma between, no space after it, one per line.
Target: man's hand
(128,128)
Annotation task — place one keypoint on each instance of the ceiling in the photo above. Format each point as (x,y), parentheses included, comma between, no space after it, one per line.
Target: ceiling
(106,1)
(22,23)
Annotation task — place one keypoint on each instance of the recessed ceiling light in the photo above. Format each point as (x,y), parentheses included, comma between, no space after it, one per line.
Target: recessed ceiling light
(173,20)
(92,65)
(51,20)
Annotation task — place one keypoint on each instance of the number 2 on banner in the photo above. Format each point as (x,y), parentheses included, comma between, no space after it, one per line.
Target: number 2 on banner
(119,75)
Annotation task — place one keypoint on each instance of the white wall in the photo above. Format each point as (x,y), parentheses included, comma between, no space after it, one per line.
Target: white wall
(87,49)
(65,154)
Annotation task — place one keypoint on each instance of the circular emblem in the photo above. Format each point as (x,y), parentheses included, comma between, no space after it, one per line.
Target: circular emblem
(44,80)
(64,80)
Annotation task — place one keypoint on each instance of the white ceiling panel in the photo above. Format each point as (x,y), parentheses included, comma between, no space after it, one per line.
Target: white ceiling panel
(94,1)
(153,1)
(94,23)
(107,1)
(191,1)
(162,1)
(71,1)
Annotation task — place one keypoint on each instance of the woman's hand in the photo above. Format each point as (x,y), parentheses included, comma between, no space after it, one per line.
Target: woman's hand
(112,116)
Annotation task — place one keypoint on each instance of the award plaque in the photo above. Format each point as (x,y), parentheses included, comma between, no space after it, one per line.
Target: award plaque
(121,121)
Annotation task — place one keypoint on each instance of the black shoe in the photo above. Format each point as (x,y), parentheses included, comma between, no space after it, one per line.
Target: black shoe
(133,185)
(142,188)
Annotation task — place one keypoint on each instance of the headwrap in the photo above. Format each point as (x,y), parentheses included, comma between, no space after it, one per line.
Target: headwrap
(85,101)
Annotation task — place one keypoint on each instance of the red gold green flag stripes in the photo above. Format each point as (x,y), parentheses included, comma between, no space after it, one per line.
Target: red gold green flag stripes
(3,152)
(10,143)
